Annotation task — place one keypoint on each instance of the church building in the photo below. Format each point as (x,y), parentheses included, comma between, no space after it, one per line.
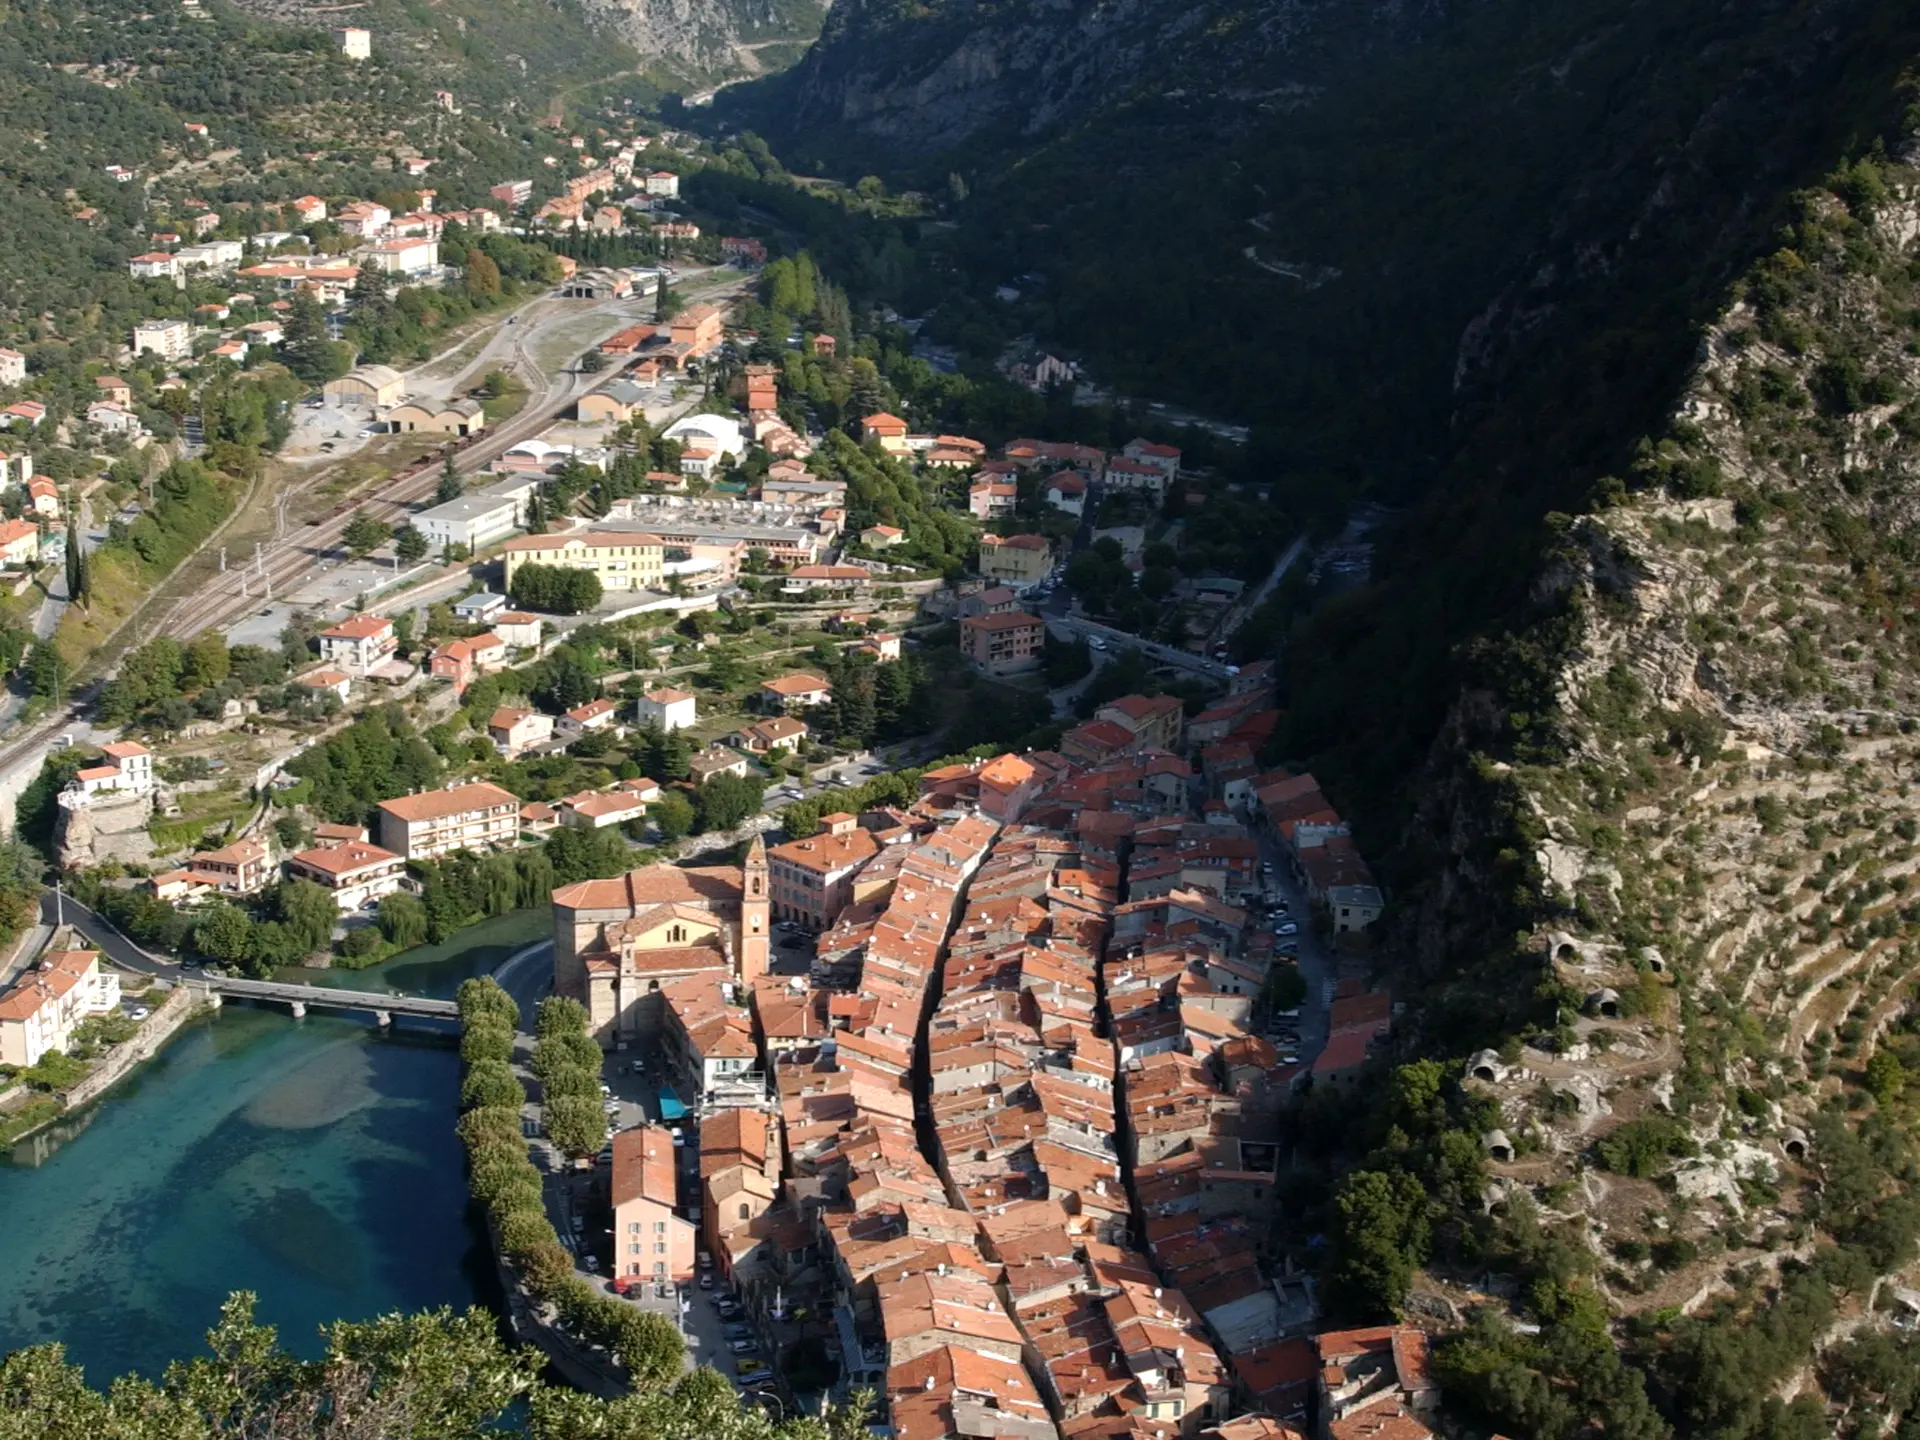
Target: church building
(619,942)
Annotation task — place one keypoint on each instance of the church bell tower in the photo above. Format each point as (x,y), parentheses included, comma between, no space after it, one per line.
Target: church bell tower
(755,908)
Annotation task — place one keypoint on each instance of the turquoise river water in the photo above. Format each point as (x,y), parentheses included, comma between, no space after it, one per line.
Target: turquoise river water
(312,1162)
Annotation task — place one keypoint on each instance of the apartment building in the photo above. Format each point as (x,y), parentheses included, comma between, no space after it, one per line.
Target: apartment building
(651,1243)
(1019,560)
(436,822)
(48,1002)
(354,872)
(1008,643)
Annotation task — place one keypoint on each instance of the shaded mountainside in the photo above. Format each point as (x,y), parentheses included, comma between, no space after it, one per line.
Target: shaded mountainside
(1353,226)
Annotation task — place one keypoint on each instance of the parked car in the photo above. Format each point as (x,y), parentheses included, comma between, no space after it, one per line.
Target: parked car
(756,1377)
(743,1347)
(737,1331)
(1288,929)
(706,1281)
(593,1265)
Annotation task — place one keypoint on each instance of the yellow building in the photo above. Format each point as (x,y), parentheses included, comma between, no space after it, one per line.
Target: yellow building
(1016,559)
(623,559)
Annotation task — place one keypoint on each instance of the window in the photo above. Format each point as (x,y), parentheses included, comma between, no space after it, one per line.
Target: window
(634,1248)
(744,1212)
(633,1227)
(659,1227)
(661,1248)
(677,934)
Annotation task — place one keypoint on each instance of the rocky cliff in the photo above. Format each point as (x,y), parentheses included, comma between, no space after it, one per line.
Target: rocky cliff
(713,39)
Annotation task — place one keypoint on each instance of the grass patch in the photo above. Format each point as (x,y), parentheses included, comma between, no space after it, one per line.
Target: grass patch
(30,1116)
(507,404)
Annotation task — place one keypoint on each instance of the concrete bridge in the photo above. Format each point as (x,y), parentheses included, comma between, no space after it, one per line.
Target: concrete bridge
(383,1006)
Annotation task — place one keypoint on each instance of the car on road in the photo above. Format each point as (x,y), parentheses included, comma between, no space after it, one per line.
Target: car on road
(1288,929)
(1096,643)
(706,1281)
(1266,867)
(593,1265)
(735,1330)
(756,1377)
(139,1012)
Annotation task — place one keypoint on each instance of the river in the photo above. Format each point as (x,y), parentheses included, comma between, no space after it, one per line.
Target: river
(312,1162)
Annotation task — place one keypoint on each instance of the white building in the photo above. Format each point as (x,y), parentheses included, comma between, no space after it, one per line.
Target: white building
(412,256)
(664,182)
(211,254)
(667,708)
(706,442)
(475,521)
(127,766)
(354,42)
(115,419)
(13,367)
(169,339)
(154,265)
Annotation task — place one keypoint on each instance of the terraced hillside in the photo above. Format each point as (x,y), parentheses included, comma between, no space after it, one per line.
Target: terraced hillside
(1713,819)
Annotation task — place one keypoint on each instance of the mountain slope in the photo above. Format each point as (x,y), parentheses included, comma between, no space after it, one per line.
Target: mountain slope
(1352,226)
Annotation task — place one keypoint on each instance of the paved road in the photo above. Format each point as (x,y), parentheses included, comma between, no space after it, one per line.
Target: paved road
(105,937)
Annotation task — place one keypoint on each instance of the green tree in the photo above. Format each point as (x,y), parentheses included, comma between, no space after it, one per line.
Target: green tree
(724,801)
(651,1349)
(403,920)
(1886,1077)
(363,533)
(223,932)
(577,1124)
(674,814)
(410,545)
(450,486)
(1381,1236)
(490,1083)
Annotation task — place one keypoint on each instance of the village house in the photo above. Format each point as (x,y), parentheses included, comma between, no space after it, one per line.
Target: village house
(798,690)
(667,709)
(888,431)
(593,715)
(327,681)
(127,767)
(19,544)
(991,499)
(237,869)
(360,644)
(515,731)
(770,737)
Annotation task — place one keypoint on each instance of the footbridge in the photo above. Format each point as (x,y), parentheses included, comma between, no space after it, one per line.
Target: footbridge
(299,998)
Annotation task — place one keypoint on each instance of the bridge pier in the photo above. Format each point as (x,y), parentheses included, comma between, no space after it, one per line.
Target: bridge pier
(384,1017)
(299,1009)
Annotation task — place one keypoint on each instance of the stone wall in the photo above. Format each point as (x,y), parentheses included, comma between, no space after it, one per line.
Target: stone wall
(155,1031)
